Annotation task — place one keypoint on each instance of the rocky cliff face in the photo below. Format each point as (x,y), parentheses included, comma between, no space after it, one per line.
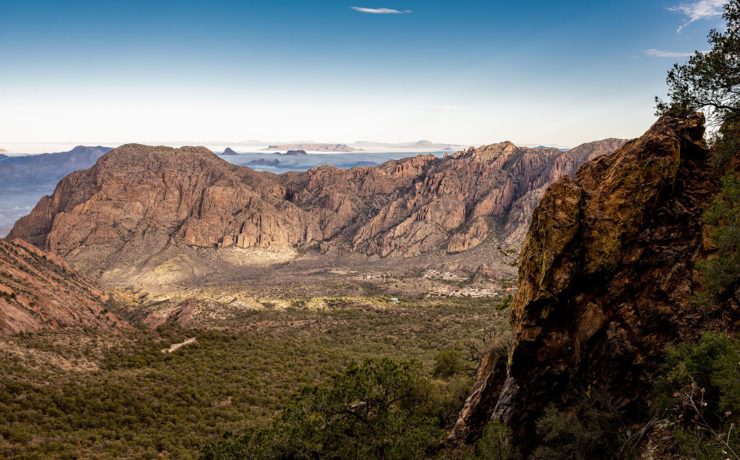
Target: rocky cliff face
(38,291)
(606,279)
(138,200)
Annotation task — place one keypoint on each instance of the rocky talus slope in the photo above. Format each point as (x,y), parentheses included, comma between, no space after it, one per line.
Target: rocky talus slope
(606,278)
(39,291)
(138,202)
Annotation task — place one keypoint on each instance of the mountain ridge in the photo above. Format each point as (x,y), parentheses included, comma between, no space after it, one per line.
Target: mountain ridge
(138,201)
(47,168)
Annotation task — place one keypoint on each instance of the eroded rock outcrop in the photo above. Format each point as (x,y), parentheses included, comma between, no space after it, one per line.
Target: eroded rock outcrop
(606,280)
(138,201)
(39,291)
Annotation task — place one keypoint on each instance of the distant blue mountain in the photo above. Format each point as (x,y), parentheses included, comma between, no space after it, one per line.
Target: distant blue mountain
(46,169)
(25,179)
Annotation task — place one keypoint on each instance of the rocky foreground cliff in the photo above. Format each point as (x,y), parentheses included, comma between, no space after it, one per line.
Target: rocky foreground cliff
(39,291)
(606,279)
(172,209)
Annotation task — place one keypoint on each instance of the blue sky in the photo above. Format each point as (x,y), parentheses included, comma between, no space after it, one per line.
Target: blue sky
(555,72)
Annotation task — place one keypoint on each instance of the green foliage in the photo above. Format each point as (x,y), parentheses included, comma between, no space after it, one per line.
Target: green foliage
(370,411)
(693,444)
(721,272)
(726,145)
(709,80)
(712,365)
(55,386)
(700,385)
(590,428)
(448,363)
(496,443)
(446,398)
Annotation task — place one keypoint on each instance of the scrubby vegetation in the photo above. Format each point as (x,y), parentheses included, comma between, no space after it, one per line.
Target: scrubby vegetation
(590,428)
(81,394)
(699,389)
(721,272)
(448,363)
(393,409)
(380,409)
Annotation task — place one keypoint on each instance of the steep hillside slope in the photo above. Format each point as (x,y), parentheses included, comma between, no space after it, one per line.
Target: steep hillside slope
(138,202)
(38,291)
(606,279)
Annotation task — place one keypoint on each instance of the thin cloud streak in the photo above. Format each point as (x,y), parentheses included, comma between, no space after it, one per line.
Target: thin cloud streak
(656,53)
(362,9)
(700,9)
(445,108)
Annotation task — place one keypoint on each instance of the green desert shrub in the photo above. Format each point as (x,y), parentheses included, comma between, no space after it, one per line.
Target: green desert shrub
(369,411)
(448,363)
(496,443)
(699,386)
(721,272)
(589,428)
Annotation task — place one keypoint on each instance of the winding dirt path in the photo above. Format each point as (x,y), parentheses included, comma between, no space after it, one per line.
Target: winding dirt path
(176,346)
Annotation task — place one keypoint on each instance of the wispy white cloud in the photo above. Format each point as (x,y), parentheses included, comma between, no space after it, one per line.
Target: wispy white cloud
(445,108)
(656,53)
(699,9)
(362,9)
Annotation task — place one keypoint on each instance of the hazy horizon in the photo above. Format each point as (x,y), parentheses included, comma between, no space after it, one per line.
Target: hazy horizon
(257,147)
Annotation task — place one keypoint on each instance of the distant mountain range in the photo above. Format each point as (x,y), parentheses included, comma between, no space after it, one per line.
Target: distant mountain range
(419,145)
(105,221)
(47,169)
(25,179)
(366,146)
(318,147)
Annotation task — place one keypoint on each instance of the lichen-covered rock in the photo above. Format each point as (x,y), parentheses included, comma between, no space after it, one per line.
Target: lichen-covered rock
(606,279)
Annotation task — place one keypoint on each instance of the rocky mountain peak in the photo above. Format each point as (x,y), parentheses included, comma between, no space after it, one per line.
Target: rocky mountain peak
(140,150)
(88,149)
(488,153)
